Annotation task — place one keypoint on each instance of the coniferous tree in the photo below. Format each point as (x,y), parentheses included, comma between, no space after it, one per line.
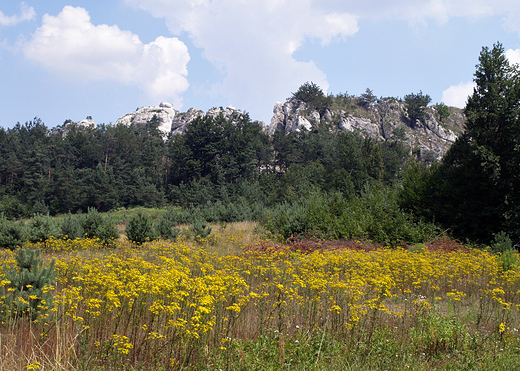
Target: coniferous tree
(28,291)
(484,164)
(416,104)
(476,190)
(140,229)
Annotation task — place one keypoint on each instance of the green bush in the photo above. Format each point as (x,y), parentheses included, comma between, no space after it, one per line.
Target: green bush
(42,227)
(96,225)
(508,256)
(71,227)
(11,234)
(374,214)
(28,291)
(443,111)
(166,225)
(501,242)
(200,229)
(140,229)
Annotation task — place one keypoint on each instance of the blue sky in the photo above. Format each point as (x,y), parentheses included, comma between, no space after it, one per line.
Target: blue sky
(72,59)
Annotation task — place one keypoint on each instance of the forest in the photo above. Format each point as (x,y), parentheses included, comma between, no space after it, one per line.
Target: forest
(322,182)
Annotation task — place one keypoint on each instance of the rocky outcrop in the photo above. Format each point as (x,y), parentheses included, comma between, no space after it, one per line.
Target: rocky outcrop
(293,116)
(386,119)
(179,123)
(164,113)
(172,121)
(69,125)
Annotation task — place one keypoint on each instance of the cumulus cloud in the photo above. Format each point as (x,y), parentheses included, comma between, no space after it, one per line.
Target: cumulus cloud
(422,11)
(513,56)
(27,13)
(72,47)
(252,43)
(457,95)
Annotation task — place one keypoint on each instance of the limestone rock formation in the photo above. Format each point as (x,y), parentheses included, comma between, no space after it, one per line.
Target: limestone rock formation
(164,112)
(180,121)
(386,119)
(183,119)
(68,125)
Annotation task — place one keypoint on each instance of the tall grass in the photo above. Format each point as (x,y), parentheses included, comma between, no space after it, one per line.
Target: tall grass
(218,304)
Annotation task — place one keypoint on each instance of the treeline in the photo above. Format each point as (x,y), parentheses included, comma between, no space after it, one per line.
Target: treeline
(216,160)
(323,182)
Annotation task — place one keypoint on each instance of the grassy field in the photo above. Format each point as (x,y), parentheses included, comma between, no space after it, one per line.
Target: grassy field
(237,302)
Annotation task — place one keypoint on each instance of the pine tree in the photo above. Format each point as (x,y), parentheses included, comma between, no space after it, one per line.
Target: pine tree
(140,229)
(28,291)
(166,226)
(477,188)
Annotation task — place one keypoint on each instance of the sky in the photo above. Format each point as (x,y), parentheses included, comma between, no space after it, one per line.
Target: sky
(71,59)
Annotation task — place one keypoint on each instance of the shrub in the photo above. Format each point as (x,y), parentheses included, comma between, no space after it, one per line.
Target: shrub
(501,242)
(28,291)
(71,228)
(97,226)
(166,225)
(443,111)
(140,229)
(375,214)
(42,227)
(11,234)
(508,256)
(200,229)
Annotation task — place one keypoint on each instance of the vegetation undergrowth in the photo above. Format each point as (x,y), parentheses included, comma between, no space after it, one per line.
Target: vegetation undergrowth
(237,302)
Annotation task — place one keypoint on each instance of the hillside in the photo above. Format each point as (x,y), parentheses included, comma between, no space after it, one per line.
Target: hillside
(384,119)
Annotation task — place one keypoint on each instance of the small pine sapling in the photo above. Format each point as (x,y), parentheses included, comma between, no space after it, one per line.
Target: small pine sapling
(28,288)
(200,229)
(167,224)
(140,229)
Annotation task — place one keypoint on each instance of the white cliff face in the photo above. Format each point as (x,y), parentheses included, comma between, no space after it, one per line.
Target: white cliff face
(164,112)
(180,121)
(385,120)
(172,121)
(67,127)
(293,115)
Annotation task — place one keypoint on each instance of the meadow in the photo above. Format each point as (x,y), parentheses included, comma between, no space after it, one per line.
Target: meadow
(235,301)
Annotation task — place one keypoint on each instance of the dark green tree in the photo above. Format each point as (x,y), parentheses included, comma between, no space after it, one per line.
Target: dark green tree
(484,163)
(415,105)
(140,229)
(476,190)
(367,98)
(313,96)
(443,111)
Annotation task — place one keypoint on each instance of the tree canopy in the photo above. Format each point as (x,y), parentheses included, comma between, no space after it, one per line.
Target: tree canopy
(476,190)
(416,104)
(313,95)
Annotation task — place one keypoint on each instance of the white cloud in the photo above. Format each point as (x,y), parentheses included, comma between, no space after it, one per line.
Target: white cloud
(457,95)
(72,47)
(27,13)
(513,56)
(420,11)
(252,43)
